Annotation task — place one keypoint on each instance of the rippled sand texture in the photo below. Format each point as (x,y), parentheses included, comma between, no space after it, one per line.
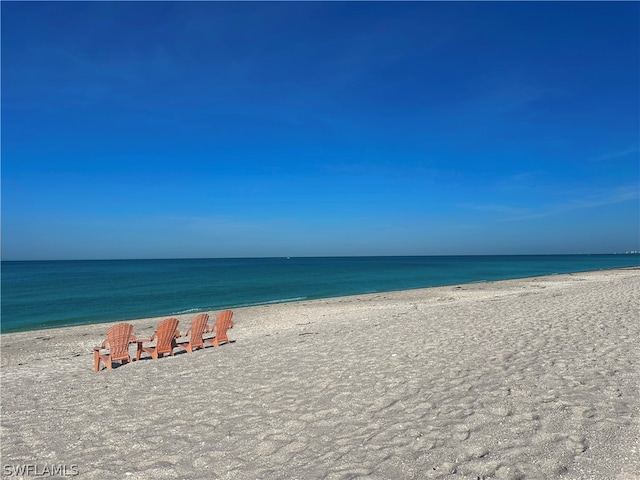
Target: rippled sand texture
(535,378)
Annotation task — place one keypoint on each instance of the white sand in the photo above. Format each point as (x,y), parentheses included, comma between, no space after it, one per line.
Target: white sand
(536,378)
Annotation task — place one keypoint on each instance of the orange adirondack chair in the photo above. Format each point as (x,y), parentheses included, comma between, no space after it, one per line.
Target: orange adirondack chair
(118,339)
(165,337)
(197,328)
(223,322)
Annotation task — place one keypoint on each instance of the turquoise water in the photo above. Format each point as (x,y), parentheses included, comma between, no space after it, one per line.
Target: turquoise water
(47,294)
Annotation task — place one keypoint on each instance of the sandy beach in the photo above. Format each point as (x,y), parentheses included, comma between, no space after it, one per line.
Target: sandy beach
(536,378)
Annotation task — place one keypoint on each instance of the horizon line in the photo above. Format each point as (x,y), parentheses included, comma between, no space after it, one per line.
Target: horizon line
(288,257)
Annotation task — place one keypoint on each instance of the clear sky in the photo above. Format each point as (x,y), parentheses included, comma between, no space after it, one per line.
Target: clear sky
(242,129)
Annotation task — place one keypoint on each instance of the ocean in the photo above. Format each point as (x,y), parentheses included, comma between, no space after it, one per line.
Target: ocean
(47,294)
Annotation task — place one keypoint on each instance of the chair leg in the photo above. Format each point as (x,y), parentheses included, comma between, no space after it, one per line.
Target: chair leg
(96,361)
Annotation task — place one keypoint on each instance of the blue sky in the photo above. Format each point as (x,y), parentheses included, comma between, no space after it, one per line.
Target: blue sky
(241,129)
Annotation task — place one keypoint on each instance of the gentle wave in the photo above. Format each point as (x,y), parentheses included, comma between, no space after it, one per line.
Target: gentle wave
(189,310)
(269,302)
(240,305)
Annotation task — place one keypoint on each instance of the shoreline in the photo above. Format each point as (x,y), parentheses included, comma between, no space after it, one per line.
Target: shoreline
(187,315)
(523,378)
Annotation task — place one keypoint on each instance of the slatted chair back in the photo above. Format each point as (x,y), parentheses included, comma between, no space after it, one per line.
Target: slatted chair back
(223,323)
(165,335)
(118,338)
(198,328)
